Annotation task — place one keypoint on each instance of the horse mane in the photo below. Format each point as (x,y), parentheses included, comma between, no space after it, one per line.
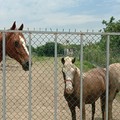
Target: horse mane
(76,78)
(77,73)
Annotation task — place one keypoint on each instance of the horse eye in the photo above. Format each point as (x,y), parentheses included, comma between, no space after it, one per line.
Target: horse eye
(16,43)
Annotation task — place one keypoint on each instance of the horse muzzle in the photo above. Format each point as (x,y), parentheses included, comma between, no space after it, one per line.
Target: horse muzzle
(25,66)
(69,87)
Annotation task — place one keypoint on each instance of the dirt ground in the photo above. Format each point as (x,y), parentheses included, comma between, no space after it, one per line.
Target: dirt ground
(43,92)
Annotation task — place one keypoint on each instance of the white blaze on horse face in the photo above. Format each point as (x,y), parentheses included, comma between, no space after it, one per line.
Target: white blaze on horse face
(69,79)
(24,44)
(69,87)
(68,71)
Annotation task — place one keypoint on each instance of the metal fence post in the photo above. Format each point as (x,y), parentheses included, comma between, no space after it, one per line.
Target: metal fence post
(55,80)
(107,74)
(30,80)
(81,76)
(4,76)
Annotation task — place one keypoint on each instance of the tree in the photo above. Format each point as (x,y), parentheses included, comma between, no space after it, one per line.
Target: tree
(40,51)
(111,26)
(49,48)
(96,52)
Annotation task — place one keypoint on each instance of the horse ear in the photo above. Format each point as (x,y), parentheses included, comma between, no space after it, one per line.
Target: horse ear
(13,26)
(73,60)
(21,27)
(62,60)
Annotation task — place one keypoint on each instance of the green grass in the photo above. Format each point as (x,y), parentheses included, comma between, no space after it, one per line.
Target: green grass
(42,59)
(86,65)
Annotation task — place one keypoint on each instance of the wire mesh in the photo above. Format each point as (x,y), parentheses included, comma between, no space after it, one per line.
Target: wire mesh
(40,101)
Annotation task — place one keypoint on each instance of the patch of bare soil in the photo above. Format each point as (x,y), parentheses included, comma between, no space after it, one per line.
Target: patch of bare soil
(43,93)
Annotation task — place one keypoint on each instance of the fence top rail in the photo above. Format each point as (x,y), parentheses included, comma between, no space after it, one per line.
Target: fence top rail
(62,32)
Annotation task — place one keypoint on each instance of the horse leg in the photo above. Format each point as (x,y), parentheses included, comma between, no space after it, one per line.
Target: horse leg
(110,101)
(72,109)
(83,111)
(111,98)
(93,110)
(103,100)
(110,110)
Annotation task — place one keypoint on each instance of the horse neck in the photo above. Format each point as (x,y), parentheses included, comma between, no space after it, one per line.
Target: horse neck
(76,83)
(76,77)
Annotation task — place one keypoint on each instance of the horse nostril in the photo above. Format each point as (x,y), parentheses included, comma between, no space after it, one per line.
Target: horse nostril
(27,63)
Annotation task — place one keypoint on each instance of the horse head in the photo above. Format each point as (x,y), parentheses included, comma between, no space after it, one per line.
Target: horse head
(68,71)
(16,46)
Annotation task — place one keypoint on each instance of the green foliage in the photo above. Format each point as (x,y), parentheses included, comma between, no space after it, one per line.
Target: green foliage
(75,48)
(94,54)
(48,49)
(111,26)
(40,51)
(42,59)
(86,65)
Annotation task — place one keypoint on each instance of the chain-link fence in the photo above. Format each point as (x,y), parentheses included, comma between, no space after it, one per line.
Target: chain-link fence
(38,94)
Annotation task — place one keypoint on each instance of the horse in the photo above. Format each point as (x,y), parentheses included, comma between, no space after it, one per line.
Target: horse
(15,46)
(114,88)
(93,86)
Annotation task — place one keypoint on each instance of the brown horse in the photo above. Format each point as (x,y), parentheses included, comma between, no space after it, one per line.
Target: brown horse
(114,88)
(16,46)
(93,86)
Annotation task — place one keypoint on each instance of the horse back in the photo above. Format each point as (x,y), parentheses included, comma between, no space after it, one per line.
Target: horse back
(94,84)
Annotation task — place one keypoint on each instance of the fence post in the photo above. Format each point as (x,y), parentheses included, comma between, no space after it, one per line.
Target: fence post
(55,80)
(81,76)
(4,75)
(30,81)
(107,75)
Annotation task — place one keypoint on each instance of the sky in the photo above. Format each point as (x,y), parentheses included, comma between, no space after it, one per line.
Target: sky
(81,15)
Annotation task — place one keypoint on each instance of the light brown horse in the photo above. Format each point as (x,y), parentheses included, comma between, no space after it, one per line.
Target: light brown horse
(114,88)
(93,86)
(15,46)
